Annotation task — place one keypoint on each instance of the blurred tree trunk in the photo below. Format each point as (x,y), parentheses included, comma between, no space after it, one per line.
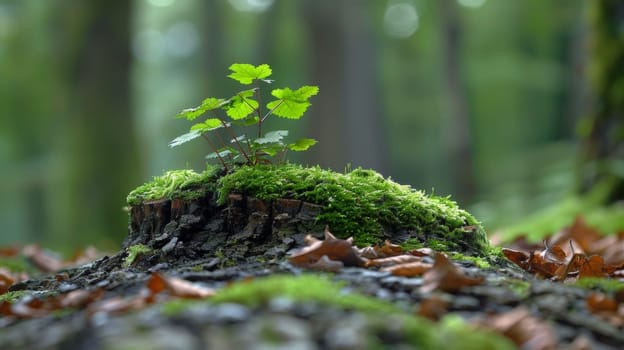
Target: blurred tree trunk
(346,118)
(604,131)
(457,105)
(102,162)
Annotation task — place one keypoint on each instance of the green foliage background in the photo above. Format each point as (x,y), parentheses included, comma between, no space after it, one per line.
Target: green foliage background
(501,85)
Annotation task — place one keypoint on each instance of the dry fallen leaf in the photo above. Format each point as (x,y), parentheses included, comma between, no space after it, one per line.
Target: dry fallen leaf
(177,287)
(433,307)
(523,329)
(332,247)
(393,260)
(444,275)
(43,261)
(409,269)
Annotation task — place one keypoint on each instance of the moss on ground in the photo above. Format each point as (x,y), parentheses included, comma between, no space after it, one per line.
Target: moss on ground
(450,333)
(134,251)
(360,203)
(607,285)
(182,184)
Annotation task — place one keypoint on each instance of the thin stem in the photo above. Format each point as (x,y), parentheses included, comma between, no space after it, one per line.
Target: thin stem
(229,131)
(258,110)
(216,151)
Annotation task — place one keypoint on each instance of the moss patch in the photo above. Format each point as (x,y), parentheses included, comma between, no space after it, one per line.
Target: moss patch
(450,333)
(182,184)
(14,296)
(134,251)
(606,285)
(359,204)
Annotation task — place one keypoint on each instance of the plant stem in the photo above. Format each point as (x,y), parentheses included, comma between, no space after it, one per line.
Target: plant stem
(240,147)
(216,151)
(258,98)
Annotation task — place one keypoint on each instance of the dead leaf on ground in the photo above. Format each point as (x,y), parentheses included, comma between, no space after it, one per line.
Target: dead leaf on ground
(526,331)
(412,269)
(393,260)
(332,247)
(444,275)
(433,307)
(387,249)
(177,287)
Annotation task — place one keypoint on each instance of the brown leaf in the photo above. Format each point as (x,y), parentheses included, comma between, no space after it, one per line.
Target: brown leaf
(444,275)
(326,264)
(599,302)
(334,248)
(6,280)
(433,307)
(79,298)
(386,250)
(393,260)
(44,262)
(409,269)
(177,287)
(422,252)
(518,257)
(526,331)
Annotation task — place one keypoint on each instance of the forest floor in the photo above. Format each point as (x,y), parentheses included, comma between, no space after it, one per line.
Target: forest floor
(275,301)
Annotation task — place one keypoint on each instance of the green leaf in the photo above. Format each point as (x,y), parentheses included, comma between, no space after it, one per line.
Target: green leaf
(271,149)
(241,105)
(246,73)
(247,121)
(223,152)
(302,144)
(208,104)
(291,104)
(272,137)
(185,138)
(207,125)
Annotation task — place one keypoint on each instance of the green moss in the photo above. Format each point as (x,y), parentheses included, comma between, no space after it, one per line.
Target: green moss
(451,333)
(360,203)
(134,251)
(12,297)
(478,261)
(606,285)
(411,244)
(183,184)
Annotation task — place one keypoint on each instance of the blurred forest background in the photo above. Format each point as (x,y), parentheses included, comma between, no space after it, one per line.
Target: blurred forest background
(505,105)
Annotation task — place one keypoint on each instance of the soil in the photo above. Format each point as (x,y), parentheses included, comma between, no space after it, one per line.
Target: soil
(249,238)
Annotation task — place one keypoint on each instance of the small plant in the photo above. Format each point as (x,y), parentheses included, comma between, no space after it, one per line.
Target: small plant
(245,110)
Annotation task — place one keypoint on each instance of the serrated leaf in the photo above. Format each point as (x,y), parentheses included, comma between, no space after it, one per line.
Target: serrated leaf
(271,149)
(241,105)
(302,144)
(223,152)
(247,121)
(207,125)
(272,137)
(207,104)
(291,104)
(213,103)
(246,73)
(185,138)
